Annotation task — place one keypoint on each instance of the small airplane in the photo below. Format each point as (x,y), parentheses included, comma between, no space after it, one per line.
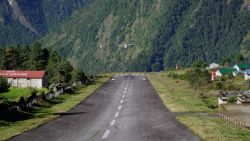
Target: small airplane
(125,45)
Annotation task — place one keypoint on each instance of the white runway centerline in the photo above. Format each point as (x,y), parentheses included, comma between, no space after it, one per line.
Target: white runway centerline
(121,101)
(120,106)
(123,96)
(116,114)
(112,123)
(106,134)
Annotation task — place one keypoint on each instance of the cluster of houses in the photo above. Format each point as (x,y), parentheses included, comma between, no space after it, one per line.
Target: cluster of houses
(33,79)
(238,69)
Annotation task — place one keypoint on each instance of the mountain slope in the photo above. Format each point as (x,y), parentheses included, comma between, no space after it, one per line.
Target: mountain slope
(110,23)
(24,21)
(165,33)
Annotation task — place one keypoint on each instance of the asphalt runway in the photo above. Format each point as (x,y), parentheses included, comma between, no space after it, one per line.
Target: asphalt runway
(126,108)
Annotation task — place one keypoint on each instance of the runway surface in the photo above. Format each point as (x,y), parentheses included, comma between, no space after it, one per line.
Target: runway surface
(126,108)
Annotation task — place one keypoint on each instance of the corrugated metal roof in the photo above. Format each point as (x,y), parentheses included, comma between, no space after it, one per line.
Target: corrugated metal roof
(21,74)
(244,66)
(224,71)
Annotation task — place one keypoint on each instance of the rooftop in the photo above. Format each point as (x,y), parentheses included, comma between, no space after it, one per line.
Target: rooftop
(21,74)
(244,66)
(224,71)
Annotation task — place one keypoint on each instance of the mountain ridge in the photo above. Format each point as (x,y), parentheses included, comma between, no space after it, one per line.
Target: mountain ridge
(25,21)
(165,33)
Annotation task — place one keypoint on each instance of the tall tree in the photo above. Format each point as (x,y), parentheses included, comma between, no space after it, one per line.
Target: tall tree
(10,58)
(38,57)
(4,86)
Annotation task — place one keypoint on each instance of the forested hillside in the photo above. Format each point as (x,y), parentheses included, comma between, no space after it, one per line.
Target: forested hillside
(165,33)
(24,21)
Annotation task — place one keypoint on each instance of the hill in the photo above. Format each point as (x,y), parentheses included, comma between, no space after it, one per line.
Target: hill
(165,33)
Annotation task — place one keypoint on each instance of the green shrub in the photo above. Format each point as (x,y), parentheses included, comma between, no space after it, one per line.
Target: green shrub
(21,100)
(197,77)
(219,85)
(230,76)
(33,91)
(212,106)
(231,99)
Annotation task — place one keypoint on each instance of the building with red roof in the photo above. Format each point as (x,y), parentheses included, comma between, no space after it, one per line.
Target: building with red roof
(34,79)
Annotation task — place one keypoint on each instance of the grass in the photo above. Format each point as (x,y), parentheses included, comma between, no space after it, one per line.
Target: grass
(15,93)
(179,97)
(46,111)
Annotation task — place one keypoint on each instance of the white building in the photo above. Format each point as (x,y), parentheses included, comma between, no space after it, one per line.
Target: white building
(241,68)
(34,79)
(247,74)
(214,66)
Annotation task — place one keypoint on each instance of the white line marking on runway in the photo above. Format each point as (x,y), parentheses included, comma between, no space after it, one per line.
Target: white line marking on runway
(123,96)
(112,79)
(116,114)
(121,101)
(124,92)
(112,123)
(106,134)
(120,106)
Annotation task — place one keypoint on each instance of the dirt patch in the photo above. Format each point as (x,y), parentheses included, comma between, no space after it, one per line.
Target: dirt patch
(238,112)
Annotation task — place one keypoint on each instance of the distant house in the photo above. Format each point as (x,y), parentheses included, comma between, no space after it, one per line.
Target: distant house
(213,69)
(225,71)
(241,68)
(214,66)
(35,79)
(247,74)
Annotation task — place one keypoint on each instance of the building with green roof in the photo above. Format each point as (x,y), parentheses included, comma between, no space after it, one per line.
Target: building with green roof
(241,68)
(225,71)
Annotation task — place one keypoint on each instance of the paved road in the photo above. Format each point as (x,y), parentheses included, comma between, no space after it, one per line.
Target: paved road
(126,108)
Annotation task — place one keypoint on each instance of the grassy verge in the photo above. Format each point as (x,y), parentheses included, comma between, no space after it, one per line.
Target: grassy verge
(15,93)
(46,111)
(179,97)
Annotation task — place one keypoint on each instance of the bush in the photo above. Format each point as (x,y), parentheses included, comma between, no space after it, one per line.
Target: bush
(230,76)
(4,86)
(21,100)
(197,77)
(219,85)
(33,91)
(231,99)
(212,106)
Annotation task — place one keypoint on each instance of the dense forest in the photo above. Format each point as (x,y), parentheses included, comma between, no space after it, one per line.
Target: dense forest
(165,32)
(35,57)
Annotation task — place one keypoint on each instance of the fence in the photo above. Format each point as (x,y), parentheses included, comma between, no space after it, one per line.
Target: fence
(27,104)
(235,122)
